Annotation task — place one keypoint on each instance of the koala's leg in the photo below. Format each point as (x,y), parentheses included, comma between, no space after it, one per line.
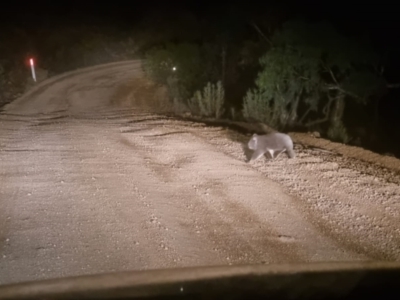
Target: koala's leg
(257,154)
(271,153)
(280,153)
(291,153)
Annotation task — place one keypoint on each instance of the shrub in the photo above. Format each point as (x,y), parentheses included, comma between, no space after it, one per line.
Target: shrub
(210,102)
(338,133)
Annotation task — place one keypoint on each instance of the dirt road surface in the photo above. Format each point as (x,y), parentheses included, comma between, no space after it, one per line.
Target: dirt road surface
(88,187)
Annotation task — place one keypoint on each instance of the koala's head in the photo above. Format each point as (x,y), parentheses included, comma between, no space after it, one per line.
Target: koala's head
(252,144)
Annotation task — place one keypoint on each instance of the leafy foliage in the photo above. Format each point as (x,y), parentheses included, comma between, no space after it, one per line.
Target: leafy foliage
(258,107)
(194,66)
(211,101)
(348,64)
(286,76)
(308,61)
(337,132)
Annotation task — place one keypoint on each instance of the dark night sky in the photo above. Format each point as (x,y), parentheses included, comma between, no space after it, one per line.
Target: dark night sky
(382,20)
(378,17)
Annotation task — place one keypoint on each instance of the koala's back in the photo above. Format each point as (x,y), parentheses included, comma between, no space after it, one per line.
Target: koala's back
(275,141)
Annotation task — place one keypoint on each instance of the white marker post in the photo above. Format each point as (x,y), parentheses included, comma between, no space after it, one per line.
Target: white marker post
(33,70)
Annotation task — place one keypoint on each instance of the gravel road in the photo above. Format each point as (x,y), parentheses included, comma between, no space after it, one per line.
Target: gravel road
(89,187)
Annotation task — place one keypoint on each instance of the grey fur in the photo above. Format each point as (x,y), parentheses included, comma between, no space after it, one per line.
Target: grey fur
(271,143)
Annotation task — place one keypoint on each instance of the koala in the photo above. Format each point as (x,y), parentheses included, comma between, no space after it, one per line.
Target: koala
(272,143)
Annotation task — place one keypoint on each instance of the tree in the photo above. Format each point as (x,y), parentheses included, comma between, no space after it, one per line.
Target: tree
(310,62)
(184,67)
(288,77)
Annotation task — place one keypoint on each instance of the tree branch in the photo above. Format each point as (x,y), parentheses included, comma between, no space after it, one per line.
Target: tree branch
(304,115)
(301,76)
(327,109)
(329,70)
(261,33)
(309,124)
(332,75)
(338,88)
